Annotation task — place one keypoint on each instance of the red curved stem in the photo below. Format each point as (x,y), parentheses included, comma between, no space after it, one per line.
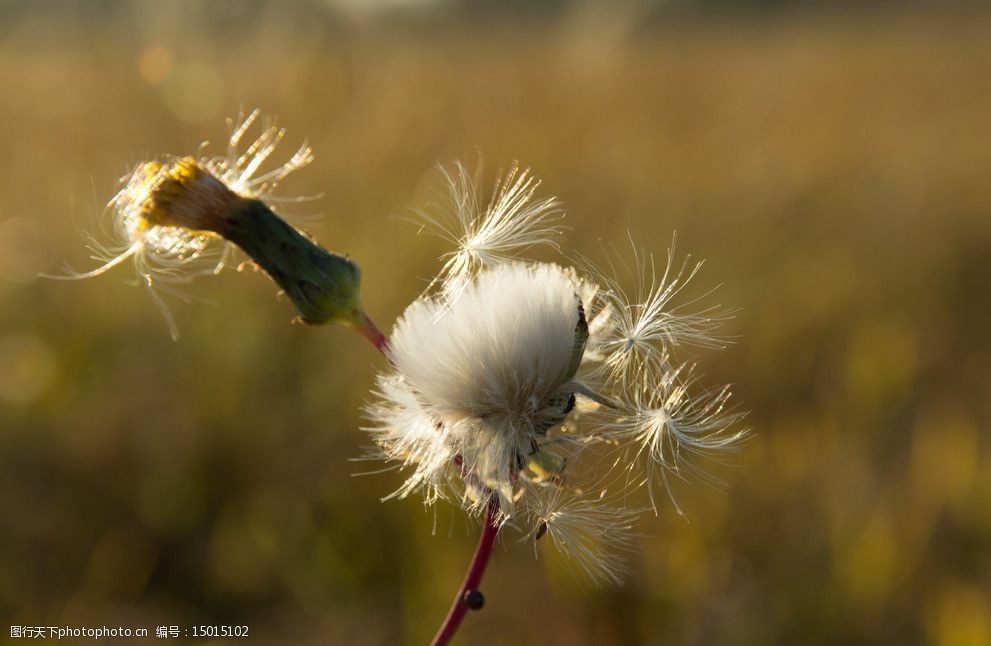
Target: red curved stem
(474,576)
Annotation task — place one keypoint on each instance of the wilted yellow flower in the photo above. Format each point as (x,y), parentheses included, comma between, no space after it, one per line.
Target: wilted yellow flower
(181,217)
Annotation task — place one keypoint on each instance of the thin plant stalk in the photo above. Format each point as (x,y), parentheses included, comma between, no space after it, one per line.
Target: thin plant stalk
(473,578)
(375,336)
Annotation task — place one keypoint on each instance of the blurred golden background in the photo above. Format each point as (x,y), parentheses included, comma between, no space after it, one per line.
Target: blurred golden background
(832,162)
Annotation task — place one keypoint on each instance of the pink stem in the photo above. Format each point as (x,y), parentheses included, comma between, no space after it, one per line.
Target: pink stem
(486,541)
(474,576)
(367,328)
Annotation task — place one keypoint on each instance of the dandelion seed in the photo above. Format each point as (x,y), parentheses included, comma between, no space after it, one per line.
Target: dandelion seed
(165,218)
(503,376)
(239,170)
(487,234)
(673,429)
(588,530)
(644,326)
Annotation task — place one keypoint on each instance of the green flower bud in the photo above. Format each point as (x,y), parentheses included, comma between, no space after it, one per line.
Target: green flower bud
(323,286)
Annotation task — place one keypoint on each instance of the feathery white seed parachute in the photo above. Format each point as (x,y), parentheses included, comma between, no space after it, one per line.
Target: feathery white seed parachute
(591,531)
(488,232)
(646,324)
(676,425)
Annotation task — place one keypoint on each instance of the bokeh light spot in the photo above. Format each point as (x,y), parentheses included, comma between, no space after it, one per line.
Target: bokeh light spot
(155,63)
(27,368)
(194,92)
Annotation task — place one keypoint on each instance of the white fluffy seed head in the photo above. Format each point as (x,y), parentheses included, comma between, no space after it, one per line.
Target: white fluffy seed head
(492,359)
(502,351)
(494,368)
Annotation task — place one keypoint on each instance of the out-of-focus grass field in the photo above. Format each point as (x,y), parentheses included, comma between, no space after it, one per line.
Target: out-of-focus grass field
(833,166)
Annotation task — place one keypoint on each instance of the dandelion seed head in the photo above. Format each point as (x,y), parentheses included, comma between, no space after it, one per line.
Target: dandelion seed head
(496,368)
(528,380)
(507,347)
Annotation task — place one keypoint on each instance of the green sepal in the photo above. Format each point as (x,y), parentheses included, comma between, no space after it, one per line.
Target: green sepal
(323,286)
(581,338)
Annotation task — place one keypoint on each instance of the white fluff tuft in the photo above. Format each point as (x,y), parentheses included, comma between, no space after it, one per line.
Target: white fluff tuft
(489,367)
(405,432)
(673,428)
(644,324)
(239,170)
(489,233)
(588,530)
